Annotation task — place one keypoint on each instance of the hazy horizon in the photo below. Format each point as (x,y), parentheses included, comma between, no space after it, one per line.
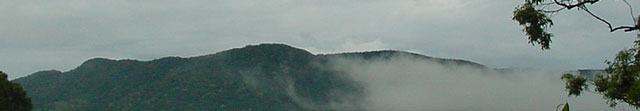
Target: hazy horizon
(327,53)
(44,35)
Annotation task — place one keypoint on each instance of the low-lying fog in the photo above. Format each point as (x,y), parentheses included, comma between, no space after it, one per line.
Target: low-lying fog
(405,82)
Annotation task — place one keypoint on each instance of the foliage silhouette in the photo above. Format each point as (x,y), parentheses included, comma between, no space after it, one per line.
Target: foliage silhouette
(12,96)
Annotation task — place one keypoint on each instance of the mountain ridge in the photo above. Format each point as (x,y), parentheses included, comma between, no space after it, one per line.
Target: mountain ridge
(254,77)
(386,54)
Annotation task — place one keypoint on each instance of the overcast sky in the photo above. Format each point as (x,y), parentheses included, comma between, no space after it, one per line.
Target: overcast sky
(46,34)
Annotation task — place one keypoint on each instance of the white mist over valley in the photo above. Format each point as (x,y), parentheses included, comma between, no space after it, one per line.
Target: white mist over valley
(406,82)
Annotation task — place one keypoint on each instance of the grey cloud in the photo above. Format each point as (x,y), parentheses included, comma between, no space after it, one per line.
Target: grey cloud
(65,33)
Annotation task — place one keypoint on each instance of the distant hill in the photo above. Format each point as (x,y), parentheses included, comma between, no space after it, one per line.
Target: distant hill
(257,77)
(589,73)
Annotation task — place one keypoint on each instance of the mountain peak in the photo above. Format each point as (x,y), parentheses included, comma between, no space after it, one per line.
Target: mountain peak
(278,47)
(97,60)
(388,54)
(271,45)
(265,50)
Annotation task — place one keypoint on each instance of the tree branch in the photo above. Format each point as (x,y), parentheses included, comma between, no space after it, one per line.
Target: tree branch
(553,11)
(611,28)
(570,6)
(627,28)
(633,17)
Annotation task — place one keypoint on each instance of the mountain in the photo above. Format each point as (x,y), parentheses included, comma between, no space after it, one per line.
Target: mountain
(256,77)
(589,73)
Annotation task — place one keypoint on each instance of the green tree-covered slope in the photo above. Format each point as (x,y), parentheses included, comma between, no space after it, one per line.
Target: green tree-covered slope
(256,77)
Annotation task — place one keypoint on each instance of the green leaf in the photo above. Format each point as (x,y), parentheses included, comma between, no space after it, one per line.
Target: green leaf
(535,23)
(566,107)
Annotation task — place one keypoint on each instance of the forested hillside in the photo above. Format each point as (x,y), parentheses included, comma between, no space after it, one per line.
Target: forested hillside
(257,77)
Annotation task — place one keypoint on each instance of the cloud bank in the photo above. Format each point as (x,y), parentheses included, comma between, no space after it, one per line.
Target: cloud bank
(408,83)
